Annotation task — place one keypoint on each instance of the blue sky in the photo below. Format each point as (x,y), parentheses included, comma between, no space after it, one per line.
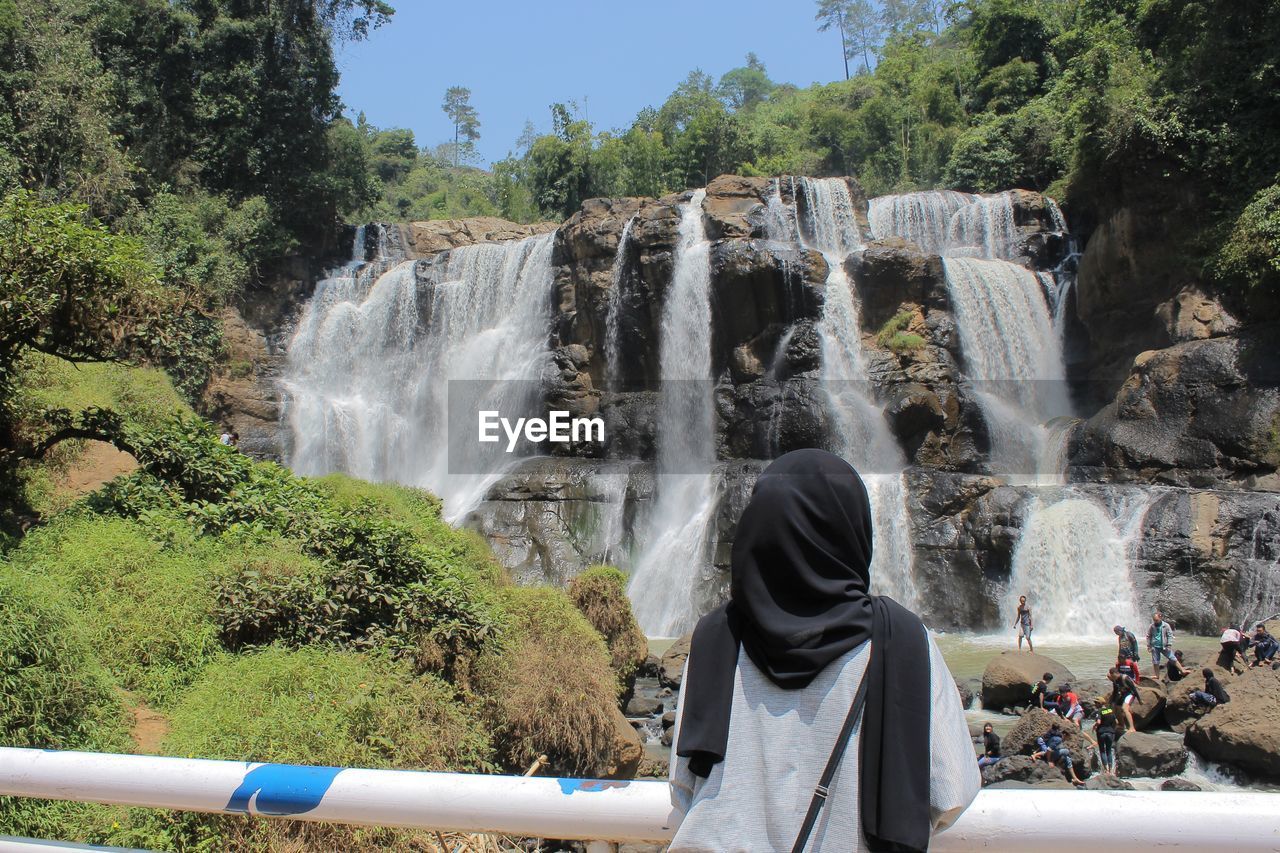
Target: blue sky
(520,57)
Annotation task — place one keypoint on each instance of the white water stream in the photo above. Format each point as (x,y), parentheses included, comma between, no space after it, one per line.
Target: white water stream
(675,546)
(368,383)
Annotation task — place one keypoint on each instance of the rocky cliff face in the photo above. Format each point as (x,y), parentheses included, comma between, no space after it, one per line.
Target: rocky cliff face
(1192,425)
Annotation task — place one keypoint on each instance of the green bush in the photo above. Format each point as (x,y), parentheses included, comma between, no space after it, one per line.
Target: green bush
(145,608)
(326,707)
(549,688)
(53,692)
(893,335)
(600,593)
(1250,257)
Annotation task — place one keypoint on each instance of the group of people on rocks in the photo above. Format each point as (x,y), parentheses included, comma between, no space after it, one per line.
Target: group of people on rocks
(1125,678)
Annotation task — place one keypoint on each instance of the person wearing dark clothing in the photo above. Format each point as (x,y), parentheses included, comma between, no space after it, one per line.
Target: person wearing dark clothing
(1022,621)
(1265,646)
(1053,750)
(1175,670)
(1127,643)
(1213,695)
(1105,731)
(1232,641)
(1042,696)
(990,747)
(1124,690)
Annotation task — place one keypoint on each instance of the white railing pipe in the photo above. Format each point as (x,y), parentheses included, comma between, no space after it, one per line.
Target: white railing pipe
(639,811)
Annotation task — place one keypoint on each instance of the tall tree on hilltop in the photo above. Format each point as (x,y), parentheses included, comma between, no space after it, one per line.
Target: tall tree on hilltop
(859,26)
(466,122)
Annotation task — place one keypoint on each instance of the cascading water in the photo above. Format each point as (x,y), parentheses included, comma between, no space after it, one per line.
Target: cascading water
(948,223)
(613,316)
(826,220)
(1013,355)
(676,539)
(368,380)
(1073,563)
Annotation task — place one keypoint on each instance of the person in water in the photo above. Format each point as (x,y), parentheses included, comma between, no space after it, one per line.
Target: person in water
(1104,731)
(1022,621)
(990,747)
(774,674)
(1213,695)
(1159,642)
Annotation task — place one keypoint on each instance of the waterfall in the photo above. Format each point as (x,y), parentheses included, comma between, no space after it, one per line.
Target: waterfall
(924,218)
(1073,564)
(676,543)
(826,220)
(368,381)
(1013,355)
(613,315)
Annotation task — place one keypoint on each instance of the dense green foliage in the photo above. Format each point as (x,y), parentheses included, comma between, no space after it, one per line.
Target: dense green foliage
(600,593)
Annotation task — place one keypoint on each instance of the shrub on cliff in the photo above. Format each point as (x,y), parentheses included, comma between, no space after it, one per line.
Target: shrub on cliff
(600,593)
(894,337)
(549,689)
(325,707)
(144,607)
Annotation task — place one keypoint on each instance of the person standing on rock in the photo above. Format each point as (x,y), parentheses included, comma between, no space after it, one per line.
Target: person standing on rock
(1159,642)
(1105,732)
(1124,690)
(801,659)
(1022,621)
(1127,643)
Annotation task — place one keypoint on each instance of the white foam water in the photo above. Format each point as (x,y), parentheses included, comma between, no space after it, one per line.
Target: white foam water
(676,543)
(367,384)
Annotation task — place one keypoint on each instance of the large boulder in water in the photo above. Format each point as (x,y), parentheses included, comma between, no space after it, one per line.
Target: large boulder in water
(673,660)
(1147,708)
(1143,754)
(1019,768)
(1244,732)
(1010,676)
(1179,712)
(1035,723)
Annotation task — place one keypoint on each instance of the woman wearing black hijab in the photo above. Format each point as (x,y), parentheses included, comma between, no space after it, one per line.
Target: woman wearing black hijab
(773,674)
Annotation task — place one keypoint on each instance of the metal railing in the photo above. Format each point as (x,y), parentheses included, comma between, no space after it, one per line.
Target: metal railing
(610,811)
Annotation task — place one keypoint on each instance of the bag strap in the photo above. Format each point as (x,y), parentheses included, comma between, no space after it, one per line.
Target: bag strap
(833,763)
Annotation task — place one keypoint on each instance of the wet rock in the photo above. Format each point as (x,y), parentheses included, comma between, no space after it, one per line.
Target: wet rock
(651,667)
(969,689)
(668,719)
(1244,732)
(438,235)
(643,706)
(673,660)
(1179,785)
(1010,676)
(1035,723)
(1194,315)
(1103,782)
(1199,414)
(626,747)
(890,272)
(1148,708)
(1144,754)
(1019,768)
(735,206)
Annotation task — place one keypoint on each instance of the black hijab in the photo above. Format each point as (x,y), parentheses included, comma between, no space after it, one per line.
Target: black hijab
(798,601)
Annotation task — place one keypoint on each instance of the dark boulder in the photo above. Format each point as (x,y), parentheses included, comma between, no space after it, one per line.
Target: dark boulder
(1143,754)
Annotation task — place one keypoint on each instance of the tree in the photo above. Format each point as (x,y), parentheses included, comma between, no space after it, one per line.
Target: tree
(744,88)
(859,26)
(466,122)
(71,289)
